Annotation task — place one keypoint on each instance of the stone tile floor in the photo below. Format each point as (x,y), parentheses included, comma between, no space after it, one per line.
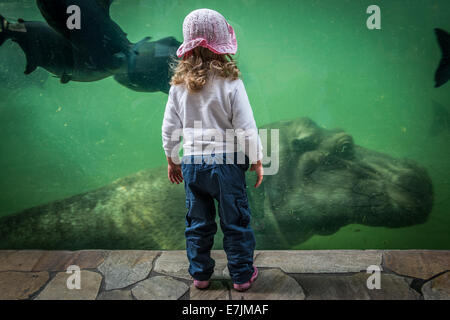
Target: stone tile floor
(293,275)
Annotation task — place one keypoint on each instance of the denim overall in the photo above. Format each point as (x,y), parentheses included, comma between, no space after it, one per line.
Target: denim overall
(208,177)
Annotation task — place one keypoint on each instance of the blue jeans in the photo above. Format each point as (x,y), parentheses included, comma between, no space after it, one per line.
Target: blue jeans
(207,179)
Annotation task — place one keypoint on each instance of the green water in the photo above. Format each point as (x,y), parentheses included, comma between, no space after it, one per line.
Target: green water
(298,58)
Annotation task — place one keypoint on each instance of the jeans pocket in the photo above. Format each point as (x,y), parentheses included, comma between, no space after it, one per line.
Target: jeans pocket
(187,217)
(244,210)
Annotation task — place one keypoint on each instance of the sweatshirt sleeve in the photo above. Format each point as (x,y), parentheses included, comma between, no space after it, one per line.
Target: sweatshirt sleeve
(171,128)
(243,120)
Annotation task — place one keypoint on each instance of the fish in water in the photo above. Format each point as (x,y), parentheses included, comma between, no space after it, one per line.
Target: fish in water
(443,71)
(100,37)
(46,48)
(441,120)
(149,71)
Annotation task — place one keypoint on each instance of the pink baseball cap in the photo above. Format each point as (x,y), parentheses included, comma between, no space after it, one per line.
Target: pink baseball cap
(207,28)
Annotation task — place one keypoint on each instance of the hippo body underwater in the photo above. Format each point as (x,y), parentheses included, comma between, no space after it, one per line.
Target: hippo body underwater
(442,74)
(324,182)
(99,37)
(142,66)
(11,60)
(44,47)
(98,50)
(148,71)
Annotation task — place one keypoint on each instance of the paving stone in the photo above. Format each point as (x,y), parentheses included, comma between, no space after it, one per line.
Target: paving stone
(60,260)
(216,291)
(271,284)
(53,261)
(57,288)
(319,261)
(175,264)
(3,258)
(225,274)
(21,285)
(220,269)
(354,287)
(23,260)
(422,264)
(124,267)
(160,288)
(5,253)
(89,259)
(438,288)
(115,295)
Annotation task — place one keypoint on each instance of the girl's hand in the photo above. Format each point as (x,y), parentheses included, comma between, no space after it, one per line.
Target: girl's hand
(174,171)
(258,168)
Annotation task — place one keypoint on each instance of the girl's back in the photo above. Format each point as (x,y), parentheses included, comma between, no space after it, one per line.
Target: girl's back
(220,105)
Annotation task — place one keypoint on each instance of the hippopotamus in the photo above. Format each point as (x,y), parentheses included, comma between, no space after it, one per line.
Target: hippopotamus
(98,37)
(11,60)
(324,181)
(97,50)
(442,74)
(45,48)
(148,71)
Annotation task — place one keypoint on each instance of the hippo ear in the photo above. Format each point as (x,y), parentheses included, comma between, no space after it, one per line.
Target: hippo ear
(302,145)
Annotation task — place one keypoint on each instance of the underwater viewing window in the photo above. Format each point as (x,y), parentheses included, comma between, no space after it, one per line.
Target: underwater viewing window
(357,92)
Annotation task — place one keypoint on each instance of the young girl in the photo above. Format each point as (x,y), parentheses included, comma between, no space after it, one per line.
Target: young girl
(206,92)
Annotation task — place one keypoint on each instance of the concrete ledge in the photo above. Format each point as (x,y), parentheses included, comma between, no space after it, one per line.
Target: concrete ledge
(284,274)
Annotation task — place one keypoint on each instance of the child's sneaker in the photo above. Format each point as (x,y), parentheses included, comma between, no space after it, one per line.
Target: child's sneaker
(201,284)
(248,284)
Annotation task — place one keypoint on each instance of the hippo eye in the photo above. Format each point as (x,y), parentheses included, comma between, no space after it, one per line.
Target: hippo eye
(345,148)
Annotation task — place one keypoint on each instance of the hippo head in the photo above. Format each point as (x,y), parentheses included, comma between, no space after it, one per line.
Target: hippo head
(148,70)
(325,181)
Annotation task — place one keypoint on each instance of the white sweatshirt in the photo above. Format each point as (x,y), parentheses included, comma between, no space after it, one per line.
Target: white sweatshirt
(208,120)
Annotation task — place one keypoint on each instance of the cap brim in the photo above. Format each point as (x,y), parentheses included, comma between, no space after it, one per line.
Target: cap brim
(201,42)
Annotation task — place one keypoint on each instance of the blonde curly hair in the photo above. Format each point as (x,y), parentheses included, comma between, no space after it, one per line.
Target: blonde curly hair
(193,69)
